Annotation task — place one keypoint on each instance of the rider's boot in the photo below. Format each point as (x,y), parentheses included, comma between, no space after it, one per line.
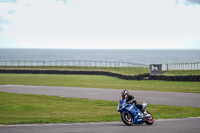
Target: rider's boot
(144,113)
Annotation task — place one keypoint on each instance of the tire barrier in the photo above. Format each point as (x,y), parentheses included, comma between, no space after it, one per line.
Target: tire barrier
(121,76)
(146,76)
(194,78)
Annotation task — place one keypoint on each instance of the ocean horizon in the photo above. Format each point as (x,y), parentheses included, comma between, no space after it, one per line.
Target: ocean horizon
(142,56)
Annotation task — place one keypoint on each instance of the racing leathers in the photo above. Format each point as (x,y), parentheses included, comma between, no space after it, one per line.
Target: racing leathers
(131,99)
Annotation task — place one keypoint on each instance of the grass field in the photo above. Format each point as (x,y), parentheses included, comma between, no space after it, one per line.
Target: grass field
(93,81)
(121,70)
(182,72)
(25,108)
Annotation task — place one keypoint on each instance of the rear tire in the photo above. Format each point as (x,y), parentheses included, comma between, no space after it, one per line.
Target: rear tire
(150,120)
(127,118)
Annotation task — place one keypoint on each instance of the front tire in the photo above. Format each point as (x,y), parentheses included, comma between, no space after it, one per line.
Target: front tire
(127,118)
(149,120)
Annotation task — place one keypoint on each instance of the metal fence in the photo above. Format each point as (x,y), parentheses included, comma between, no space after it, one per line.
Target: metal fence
(87,63)
(183,66)
(79,63)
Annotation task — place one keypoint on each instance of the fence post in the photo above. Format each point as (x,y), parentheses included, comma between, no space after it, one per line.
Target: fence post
(167,67)
(181,66)
(176,66)
(185,66)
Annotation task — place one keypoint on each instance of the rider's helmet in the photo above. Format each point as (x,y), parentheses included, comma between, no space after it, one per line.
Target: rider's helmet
(124,94)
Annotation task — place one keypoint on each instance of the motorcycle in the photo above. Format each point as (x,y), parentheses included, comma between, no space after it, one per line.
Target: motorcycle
(130,114)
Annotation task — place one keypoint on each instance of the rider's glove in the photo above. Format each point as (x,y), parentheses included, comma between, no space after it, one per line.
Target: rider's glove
(135,101)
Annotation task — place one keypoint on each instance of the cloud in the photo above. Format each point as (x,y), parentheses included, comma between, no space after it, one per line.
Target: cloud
(188,2)
(6,43)
(193,2)
(11,12)
(65,1)
(8,1)
(99,23)
(2,20)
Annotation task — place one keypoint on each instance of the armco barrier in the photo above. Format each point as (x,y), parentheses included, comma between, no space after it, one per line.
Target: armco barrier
(194,78)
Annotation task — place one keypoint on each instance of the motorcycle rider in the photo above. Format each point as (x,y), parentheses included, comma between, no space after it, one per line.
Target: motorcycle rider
(131,99)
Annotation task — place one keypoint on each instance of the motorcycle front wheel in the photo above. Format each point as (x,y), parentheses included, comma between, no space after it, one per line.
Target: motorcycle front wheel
(149,120)
(127,118)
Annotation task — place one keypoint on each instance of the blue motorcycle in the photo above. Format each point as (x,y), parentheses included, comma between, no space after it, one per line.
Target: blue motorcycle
(130,114)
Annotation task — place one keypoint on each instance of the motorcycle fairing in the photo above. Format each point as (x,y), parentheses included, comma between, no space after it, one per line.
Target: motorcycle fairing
(135,112)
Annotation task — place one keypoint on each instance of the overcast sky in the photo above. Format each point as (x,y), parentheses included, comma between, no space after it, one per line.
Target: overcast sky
(100,24)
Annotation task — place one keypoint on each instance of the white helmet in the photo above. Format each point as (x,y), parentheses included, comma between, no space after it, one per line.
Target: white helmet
(124,94)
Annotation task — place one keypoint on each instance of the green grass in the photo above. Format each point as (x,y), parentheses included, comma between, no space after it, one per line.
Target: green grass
(93,81)
(25,108)
(121,70)
(182,72)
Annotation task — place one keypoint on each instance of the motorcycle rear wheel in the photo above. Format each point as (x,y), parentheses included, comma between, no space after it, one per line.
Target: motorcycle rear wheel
(127,118)
(150,120)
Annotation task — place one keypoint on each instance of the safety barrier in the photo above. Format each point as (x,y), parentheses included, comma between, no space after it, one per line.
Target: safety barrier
(77,63)
(146,76)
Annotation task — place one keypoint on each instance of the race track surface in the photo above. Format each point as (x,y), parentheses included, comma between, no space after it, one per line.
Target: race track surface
(151,97)
(184,125)
(187,125)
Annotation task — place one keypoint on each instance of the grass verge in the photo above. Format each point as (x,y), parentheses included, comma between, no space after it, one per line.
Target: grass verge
(26,108)
(121,70)
(182,72)
(93,81)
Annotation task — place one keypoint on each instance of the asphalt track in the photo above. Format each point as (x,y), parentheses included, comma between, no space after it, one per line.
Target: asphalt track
(151,97)
(184,125)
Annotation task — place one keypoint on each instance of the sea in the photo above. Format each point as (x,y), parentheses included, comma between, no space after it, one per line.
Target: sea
(142,56)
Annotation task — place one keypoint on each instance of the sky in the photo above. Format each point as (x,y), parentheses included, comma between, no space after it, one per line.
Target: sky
(100,24)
